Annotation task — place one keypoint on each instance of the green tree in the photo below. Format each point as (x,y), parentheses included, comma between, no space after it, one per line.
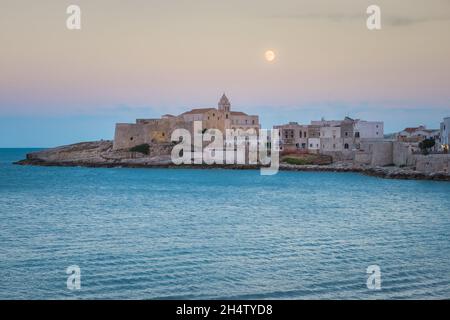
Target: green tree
(426,144)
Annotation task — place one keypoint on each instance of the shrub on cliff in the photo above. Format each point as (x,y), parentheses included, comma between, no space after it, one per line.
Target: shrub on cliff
(142,148)
(296,161)
(306,159)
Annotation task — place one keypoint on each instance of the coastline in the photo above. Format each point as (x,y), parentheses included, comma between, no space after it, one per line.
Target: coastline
(100,154)
(391,172)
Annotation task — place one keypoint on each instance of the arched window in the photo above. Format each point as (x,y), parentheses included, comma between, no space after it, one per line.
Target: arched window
(346,146)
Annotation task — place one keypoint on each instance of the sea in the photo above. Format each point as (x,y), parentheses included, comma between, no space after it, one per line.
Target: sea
(219,234)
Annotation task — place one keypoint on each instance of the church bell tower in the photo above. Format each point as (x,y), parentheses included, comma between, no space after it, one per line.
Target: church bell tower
(224,104)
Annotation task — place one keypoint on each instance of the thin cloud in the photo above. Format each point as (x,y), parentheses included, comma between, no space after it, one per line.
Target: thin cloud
(395,21)
(405,21)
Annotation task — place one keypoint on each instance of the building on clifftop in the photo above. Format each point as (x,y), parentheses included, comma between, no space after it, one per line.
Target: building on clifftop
(154,131)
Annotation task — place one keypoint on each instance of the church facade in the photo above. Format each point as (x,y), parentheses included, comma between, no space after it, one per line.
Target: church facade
(158,131)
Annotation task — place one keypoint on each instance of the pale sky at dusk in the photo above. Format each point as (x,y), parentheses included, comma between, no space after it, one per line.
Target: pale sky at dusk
(144,58)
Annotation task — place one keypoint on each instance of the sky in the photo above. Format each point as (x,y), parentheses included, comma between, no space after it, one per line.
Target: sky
(144,58)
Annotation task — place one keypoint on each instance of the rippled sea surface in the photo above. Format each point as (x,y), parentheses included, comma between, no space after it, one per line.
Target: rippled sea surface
(207,234)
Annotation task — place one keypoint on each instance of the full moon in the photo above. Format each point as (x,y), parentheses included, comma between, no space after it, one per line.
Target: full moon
(270,55)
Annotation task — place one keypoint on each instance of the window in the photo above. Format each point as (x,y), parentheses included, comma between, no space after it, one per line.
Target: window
(226,116)
(131,138)
(346,134)
(334,146)
(346,146)
(310,145)
(356,134)
(253,121)
(300,134)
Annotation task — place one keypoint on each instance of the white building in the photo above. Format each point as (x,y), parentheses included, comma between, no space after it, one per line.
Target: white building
(314,144)
(368,129)
(345,135)
(328,123)
(330,132)
(417,134)
(445,133)
(330,139)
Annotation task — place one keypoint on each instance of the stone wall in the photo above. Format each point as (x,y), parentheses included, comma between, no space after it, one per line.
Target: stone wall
(362,157)
(382,154)
(128,135)
(149,131)
(375,152)
(402,154)
(340,155)
(432,163)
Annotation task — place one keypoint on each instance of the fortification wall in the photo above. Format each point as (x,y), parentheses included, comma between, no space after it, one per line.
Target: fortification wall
(382,153)
(363,157)
(375,153)
(432,163)
(402,155)
(340,155)
(128,135)
(149,131)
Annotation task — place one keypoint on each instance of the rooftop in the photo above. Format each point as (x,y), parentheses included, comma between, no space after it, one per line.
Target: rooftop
(199,111)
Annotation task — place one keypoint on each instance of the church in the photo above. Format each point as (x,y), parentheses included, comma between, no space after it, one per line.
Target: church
(159,131)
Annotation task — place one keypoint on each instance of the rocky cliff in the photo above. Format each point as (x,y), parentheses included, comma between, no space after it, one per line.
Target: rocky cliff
(98,153)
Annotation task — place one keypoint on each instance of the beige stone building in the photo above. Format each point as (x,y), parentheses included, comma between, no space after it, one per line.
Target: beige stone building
(293,136)
(154,131)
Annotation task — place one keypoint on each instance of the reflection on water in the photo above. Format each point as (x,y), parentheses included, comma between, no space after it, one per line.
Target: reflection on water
(177,233)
